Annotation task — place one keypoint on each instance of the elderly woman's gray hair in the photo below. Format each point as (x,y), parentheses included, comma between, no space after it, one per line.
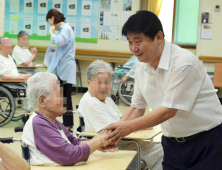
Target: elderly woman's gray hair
(40,84)
(21,34)
(98,66)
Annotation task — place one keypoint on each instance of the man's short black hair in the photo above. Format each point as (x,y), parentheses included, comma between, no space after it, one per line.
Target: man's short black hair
(144,22)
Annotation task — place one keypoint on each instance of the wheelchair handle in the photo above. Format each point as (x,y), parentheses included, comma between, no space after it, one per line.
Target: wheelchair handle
(18,129)
(70,112)
(6,140)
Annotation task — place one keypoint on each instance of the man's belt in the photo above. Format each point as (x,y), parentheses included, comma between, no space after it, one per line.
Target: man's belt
(185,139)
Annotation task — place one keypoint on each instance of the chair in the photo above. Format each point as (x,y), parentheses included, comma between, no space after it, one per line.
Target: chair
(218,75)
(78,75)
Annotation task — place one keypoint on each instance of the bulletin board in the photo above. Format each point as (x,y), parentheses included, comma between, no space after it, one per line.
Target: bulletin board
(30,16)
(113,15)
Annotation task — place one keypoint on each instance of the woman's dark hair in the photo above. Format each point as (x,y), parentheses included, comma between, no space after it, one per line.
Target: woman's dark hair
(144,22)
(59,17)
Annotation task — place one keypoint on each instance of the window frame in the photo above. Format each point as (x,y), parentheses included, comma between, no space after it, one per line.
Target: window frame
(181,45)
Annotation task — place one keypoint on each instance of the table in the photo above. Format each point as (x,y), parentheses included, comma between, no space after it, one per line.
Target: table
(13,81)
(99,161)
(29,69)
(32,67)
(139,135)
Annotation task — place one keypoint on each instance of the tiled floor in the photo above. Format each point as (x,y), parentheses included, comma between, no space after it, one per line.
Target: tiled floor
(8,130)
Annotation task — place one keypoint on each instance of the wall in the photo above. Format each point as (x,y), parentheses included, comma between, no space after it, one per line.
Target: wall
(123,45)
(2,16)
(210,47)
(109,45)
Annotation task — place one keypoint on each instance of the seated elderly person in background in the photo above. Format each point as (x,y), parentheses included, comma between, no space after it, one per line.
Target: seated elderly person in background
(50,143)
(131,63)
(99,111)
(20,53)
(8,69)
(11,160)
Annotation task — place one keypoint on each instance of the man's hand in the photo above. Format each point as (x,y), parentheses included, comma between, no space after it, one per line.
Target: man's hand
(51,30)
(119,130)
(33,50)
(124,79)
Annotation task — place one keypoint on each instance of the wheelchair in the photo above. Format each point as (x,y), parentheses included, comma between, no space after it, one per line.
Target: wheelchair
(119,90)
(12,101)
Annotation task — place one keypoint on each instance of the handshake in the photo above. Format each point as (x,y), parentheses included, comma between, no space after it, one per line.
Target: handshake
(110,136)
(103,143)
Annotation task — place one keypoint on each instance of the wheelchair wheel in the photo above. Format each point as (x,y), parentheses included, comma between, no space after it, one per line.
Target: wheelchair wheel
(18,115)
(125,92)
(114,98)
(7,106)
(15,118)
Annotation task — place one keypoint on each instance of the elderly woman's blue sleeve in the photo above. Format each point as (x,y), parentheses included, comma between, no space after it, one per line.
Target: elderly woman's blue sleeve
(61,39)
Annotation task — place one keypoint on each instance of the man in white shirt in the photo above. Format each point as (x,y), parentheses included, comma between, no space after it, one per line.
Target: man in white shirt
(8,69)
(176,86)
(21,54)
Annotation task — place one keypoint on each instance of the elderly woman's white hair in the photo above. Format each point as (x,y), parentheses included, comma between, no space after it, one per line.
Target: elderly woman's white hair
(98,66)
(40,84)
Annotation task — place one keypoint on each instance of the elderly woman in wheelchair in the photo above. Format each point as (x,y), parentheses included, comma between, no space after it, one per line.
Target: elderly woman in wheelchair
(9,90)
(99,111)
(50,143)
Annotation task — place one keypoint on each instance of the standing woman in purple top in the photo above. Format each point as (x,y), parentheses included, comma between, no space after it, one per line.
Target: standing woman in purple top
(63,62)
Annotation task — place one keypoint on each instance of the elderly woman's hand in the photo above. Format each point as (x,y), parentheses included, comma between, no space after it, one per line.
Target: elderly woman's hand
(109,148)
(102,137)
(101,143)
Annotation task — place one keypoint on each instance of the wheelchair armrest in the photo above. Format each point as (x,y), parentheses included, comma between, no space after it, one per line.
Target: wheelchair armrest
(121,67)
(6,140)
(18,129)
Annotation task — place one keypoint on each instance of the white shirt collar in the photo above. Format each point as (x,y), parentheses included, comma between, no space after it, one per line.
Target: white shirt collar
(164,59)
